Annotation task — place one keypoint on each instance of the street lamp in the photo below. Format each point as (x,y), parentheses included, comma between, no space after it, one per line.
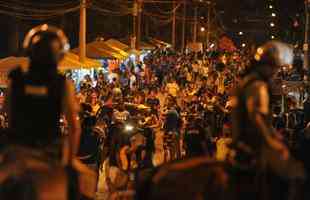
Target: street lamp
(272,24)
(202,29)
(271,6)
(273,14)
(240,33)
(272,37)
(243,45)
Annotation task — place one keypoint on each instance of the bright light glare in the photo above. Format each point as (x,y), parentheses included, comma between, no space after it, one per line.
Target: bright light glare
(271,6)
(243,45)
(128,128)
(240,33)
(44,27)
(272,37)
(272,24)
(273,14)
(202,29)
(260,50)
(133,56)
(67,47)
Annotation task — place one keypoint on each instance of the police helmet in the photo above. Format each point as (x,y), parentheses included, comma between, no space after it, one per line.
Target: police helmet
(38,44)
(275,53)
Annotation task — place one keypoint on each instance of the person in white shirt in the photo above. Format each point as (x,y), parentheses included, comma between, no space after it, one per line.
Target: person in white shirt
(173,88)
(132,81)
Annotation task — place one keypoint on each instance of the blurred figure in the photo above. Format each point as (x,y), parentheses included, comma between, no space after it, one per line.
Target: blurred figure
(94,102)
(173,88)
(153,102)
(38,95)
(222,144)
(307,110)
(253,135)
(87,82)
(195,138)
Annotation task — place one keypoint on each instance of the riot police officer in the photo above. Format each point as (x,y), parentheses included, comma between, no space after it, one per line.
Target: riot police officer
(253,135)
(38,95)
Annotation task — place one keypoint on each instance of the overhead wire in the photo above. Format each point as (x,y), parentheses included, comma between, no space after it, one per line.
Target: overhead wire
(109,4)
(108,12)
(33,10)
(154,18)
(36,16)
(46,5)
(98,6)
(21,11)
(168,12)
(41,11)
(220,21)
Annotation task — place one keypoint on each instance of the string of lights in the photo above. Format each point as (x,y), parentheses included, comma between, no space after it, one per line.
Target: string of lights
(272,16)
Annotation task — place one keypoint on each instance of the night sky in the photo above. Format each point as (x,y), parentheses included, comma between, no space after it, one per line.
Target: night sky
(249,16)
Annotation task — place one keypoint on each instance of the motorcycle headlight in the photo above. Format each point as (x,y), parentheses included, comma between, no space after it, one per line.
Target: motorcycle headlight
(128,128)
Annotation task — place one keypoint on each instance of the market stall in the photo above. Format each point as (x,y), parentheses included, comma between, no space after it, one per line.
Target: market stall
(8,64)
(118,46)
(100,50)
(145,49)
(146,46)
(72,61)
(132,55)
(159,43)
(69,63)
(294,90)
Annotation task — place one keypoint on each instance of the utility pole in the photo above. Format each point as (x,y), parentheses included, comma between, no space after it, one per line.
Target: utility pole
(195,25)
(138,38)
(147,27)
(173,38)
(183,25)
(134,24)
(209,24)
(306,43)
(82,36)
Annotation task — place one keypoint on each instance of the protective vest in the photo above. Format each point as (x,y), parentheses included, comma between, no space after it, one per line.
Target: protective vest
(35,105)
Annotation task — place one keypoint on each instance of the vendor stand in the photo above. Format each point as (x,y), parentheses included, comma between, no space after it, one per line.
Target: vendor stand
(109,58)
(159,43)
(69,63)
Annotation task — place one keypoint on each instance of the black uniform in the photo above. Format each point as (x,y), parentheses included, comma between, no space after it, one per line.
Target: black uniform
(255,152)
(194,139)
(243,127)
(35,108)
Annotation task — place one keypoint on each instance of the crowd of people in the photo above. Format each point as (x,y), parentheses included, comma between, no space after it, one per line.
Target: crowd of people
(181,100)
(185,100)
(183,125)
